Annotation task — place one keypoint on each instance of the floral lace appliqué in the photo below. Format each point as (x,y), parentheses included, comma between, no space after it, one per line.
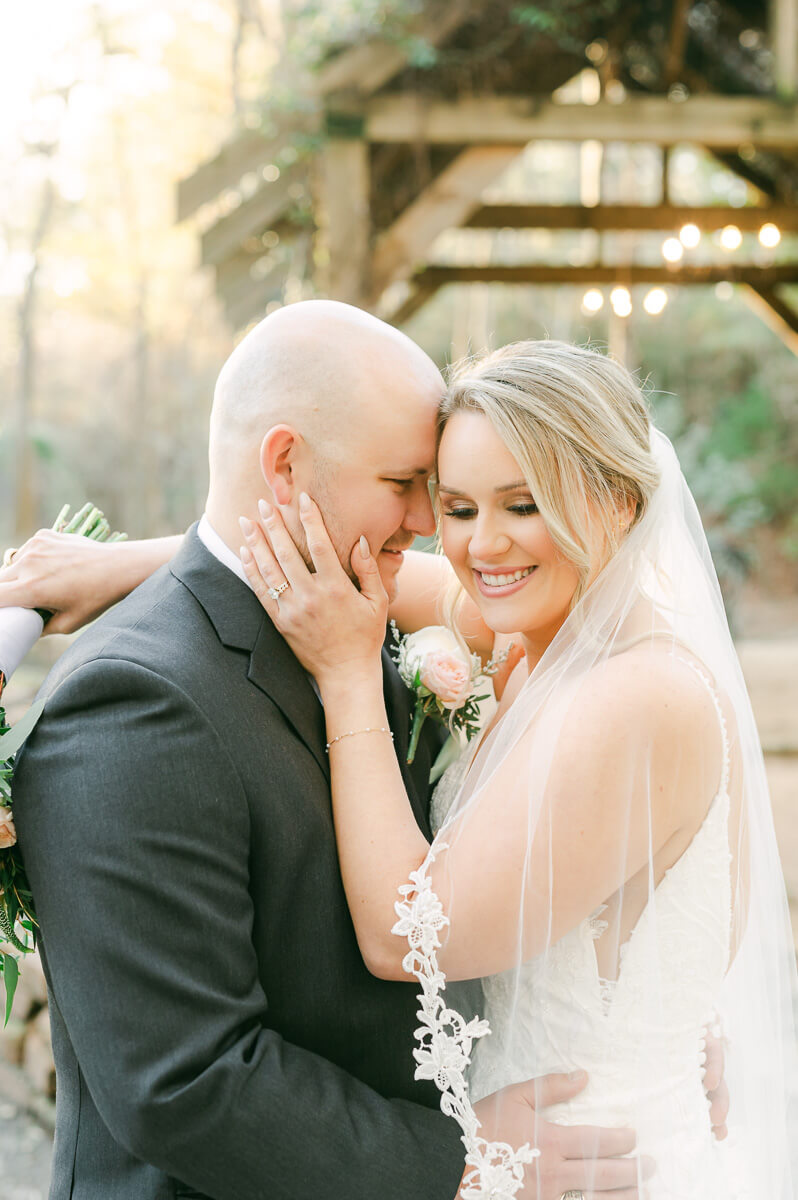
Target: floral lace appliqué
(445,1040)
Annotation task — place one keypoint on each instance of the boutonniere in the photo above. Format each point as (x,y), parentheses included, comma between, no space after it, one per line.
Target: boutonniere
(445,679)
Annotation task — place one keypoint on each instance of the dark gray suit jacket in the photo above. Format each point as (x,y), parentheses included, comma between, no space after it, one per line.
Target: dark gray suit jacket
(215,1030)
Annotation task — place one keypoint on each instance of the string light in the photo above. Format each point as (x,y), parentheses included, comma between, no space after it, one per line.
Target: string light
(672,249)
(730,237)
(770,235)
(621,301)
(655,301)
(690,236)
(592,300)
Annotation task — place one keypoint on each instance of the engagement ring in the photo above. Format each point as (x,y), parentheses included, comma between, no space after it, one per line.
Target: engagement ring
(275,593)
(8,556)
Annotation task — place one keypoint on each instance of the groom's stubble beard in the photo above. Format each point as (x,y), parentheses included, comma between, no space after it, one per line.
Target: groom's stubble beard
(321,494)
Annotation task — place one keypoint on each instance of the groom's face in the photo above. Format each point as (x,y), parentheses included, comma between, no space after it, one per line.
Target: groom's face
(377,482)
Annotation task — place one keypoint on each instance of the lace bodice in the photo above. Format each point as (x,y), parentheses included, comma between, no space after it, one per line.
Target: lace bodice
(558,1014)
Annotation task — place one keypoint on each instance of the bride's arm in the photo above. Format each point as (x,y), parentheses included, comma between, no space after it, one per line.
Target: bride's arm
(508,869)
(76,578)
(587,840)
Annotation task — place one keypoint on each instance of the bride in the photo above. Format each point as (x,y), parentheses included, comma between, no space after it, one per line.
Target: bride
(605,858)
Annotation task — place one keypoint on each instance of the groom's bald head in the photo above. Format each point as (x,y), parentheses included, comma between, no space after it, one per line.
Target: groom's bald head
(323,397)
(320,366)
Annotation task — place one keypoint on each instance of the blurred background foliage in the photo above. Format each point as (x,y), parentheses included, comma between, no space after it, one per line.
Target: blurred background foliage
(111,337)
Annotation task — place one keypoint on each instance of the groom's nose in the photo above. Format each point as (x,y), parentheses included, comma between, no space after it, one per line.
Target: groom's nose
(420,517)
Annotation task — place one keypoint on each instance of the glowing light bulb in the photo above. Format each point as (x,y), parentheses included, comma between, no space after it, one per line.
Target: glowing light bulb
(621,301)
(655,301)
(690,236)
(672,249)
(730,237)
(592,300)
(770,235)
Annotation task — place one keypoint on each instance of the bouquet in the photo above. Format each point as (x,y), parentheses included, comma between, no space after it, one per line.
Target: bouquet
(445,679)
(19,629)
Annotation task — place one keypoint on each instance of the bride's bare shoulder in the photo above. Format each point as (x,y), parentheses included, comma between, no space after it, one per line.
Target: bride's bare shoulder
(652,689)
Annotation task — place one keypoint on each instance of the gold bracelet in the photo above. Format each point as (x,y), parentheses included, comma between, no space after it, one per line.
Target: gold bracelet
(354,732)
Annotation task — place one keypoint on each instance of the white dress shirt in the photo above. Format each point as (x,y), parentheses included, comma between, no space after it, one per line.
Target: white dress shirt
(219,549)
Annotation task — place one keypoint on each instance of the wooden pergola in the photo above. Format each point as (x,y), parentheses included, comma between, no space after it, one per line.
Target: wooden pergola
(400,155)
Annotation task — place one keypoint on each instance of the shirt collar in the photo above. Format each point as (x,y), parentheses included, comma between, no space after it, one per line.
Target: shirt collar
(219,549)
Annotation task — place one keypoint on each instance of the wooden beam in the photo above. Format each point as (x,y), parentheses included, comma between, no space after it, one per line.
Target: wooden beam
(363,69)
(415,298)
(258,213)
(784,46)
(447,202)
(237,276)
(775,312)
(628,216)
(766,277)
(677,42)
(248,152)
(250,304)
(515,120)
(343,242)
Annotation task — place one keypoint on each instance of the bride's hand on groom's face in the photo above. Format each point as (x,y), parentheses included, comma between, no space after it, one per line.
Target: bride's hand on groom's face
(330,625)
(573,1158)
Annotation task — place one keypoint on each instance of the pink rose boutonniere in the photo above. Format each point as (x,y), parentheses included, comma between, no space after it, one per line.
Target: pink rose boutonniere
(445,679)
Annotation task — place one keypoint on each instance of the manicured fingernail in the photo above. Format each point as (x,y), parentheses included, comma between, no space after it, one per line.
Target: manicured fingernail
(304,502)
(264,509)
(364,547)
(576,1076)
(244,555)
(247,528)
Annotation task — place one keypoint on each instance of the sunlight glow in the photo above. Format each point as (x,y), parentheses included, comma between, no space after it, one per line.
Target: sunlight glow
(690,236)
(672,249)
(655,301)
(621,301)
(770,235)
(592,300)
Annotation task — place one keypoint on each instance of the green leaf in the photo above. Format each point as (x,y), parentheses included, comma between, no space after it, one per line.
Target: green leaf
(10,742)
(10,981)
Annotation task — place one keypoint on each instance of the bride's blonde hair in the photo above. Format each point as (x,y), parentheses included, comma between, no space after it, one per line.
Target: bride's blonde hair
(578,426)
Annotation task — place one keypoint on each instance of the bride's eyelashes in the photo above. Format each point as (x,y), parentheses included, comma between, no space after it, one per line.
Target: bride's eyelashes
(466,513)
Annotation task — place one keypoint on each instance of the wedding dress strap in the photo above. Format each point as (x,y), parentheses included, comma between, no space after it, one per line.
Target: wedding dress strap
(724,730)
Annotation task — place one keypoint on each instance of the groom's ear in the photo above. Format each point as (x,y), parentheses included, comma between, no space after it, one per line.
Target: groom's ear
(278,456)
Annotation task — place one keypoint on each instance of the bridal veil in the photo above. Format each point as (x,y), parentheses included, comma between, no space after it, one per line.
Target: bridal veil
(638,709)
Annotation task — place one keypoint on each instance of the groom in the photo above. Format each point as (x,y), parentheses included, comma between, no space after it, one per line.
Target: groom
(215,1031)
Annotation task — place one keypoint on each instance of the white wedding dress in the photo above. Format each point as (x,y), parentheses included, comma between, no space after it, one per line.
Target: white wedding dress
(558,1014)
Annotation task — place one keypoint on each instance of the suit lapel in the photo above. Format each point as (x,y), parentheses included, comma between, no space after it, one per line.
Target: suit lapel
(241,624)
(399,704)
(274,669)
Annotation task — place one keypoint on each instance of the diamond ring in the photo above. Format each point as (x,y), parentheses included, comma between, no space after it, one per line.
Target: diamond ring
(276,593)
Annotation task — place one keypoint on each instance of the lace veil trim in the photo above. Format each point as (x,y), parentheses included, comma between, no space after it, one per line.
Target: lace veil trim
(445,1041)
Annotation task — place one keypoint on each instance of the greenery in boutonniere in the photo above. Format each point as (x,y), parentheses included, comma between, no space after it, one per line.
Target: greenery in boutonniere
(445,679)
